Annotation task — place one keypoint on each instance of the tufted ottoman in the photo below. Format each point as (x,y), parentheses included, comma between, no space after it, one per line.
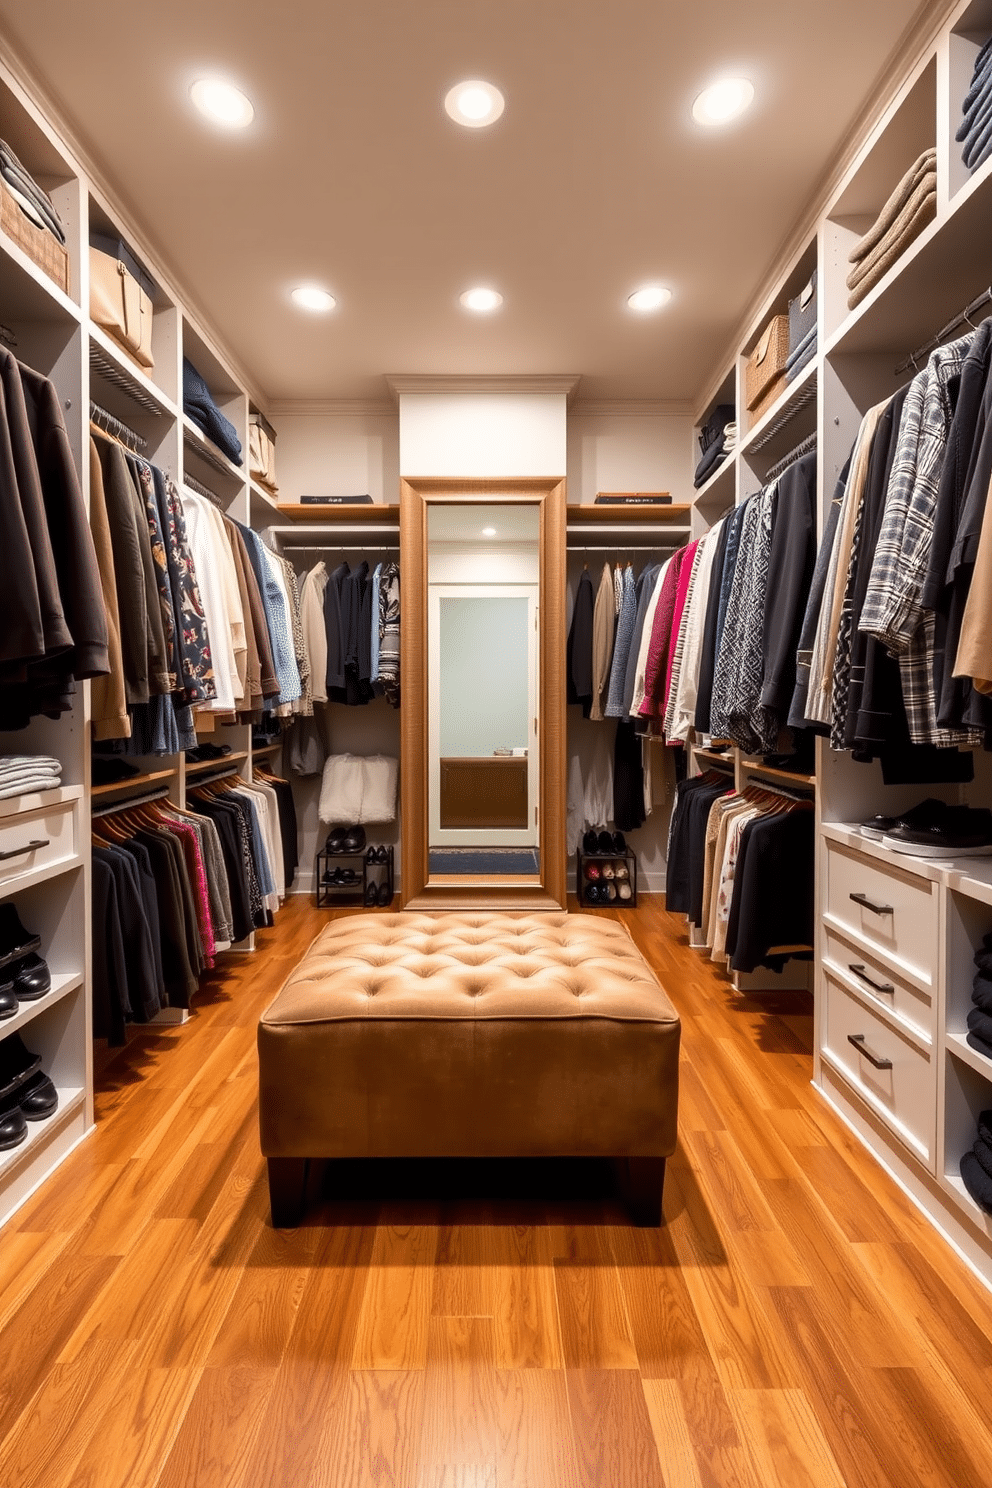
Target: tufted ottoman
(469,1035)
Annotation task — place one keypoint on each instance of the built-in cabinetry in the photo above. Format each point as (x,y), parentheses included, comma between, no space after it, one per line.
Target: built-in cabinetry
(50,330)
(896,933)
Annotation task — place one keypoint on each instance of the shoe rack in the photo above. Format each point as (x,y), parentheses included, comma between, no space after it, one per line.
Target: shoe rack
(360,877)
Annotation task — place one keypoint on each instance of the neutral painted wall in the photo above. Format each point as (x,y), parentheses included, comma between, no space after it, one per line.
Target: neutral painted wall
(482,434)
(354,454)
(630,452)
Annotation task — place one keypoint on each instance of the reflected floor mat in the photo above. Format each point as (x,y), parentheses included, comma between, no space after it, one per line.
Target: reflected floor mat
(489,860)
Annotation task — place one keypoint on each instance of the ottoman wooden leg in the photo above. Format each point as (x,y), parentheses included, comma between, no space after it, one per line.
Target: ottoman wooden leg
(287,1190)
(645,1189)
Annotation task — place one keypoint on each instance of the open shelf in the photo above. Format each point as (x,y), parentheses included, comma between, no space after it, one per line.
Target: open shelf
(62,985)
(136,783)
(229,762)
(374,513)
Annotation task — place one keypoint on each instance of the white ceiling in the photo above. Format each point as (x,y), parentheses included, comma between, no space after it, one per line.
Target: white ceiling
(594,181)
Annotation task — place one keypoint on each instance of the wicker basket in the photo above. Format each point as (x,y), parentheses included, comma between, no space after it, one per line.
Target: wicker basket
(767,360)
(770,396)
(42,247)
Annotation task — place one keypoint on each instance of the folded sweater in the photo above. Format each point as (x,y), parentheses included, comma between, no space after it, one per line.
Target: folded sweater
(199,405)
(890,214)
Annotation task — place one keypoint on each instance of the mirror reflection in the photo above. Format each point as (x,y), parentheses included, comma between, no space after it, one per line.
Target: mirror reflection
(483,619)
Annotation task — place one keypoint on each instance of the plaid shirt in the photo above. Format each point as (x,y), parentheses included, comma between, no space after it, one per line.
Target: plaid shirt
(893,609)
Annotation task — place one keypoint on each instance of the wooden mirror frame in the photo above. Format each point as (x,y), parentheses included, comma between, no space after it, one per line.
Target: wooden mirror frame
(419,889)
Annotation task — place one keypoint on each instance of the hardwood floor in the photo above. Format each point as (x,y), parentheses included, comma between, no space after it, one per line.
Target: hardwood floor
(795,1322)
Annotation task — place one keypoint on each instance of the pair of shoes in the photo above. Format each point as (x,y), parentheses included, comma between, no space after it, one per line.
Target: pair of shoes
(24,975)
(17,1064)
(34,1100)
(377,854)
(385,895)
(371,896)
(591,871)
(601,843)
(622,871)
(600,893)
(345,840)
(935,830)
(204,752)
(341,878)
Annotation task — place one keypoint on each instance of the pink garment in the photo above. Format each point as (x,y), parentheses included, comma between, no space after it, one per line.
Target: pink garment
(685,576)
(661,634)
(194,862)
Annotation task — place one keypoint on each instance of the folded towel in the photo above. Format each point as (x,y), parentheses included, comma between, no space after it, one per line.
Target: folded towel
(924,214)
(18,761)
(730,439)
(977,1181)
(983,1152)
(359,789)
(890,214)
(900,231)
(982,994)
(982,70)
(40,783)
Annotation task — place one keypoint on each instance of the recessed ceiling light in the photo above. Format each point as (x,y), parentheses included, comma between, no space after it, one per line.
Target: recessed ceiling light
(650,297)
(723,101)
(309,297)
(474,104)
(489,531)
(222,103)
(482,301)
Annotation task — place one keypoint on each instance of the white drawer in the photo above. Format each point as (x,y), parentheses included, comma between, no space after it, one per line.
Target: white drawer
(893,911)
(903,1092)
(33,840)
(879,983)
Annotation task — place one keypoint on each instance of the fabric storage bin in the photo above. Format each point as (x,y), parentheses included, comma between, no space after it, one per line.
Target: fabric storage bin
(767,360)
(121,291)
(43,248)
(262,450)
(802,314)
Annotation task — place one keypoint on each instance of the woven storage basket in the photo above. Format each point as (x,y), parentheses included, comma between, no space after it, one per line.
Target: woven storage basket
(40,246)
(771,395)
(767,360)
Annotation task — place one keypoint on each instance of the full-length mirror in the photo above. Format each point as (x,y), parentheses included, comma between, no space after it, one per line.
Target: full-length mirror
(483,744)
(482,772)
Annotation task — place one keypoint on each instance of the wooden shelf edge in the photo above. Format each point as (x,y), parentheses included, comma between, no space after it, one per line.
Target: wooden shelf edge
(226,762)
(136,782)
(376,511)
(594,515)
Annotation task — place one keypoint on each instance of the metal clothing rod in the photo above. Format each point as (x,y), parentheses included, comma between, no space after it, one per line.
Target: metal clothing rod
(201,490)
(210,777)
(801,794)
(333,547)
(803,448)
(915,357)
(129,802)
(328,532)
(626,548)
(112,425)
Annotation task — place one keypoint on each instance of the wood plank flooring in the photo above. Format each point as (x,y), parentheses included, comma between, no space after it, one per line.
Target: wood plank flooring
(795,1322)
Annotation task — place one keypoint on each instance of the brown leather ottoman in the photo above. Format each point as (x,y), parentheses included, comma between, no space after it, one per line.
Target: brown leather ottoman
(469,1035)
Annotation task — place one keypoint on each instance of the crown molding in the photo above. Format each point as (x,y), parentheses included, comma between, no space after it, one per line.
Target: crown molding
(332,408)
(482,383)
(631,408)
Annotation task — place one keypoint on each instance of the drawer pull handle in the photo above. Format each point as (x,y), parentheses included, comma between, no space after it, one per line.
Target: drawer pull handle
(859,971)
(18,852)
(858,1040)
(866,903)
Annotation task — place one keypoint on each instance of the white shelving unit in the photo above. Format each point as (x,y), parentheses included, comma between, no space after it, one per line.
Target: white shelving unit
(54,334)
(901,979)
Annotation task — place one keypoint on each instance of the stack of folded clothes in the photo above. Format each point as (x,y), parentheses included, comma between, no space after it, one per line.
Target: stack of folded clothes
(935,830)
(906,213)
(802,330)
(976,1165)
(980,1018)
(36,204)
(20,773)
(199,406)
(713,441)
(975,130)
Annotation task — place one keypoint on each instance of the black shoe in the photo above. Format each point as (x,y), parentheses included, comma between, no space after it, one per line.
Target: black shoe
(15,941)
(8,1000)
(590,893)
(590,844)
(385,895)
(382,854)
(372,855)
(13,1127)
(354,841)
(962,832)
(32,978)
(371,896)
(335,840)
(348,876)
(37,1097)
(604,842)
(619,842)
(17,1064)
